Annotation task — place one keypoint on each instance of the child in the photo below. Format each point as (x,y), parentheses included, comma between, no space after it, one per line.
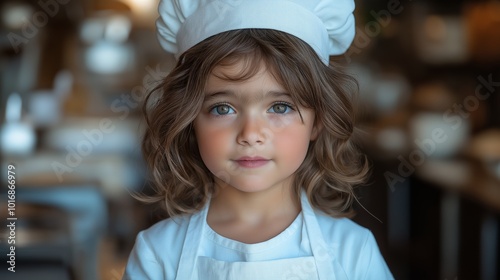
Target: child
(249,143)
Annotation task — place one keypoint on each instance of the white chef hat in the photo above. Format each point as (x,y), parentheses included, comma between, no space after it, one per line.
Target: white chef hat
(326,25)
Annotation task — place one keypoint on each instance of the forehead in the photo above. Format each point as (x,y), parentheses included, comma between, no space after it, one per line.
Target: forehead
(239,68)
(242,72)
(226,82)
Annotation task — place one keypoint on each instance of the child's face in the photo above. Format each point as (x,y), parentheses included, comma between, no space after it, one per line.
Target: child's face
(249,133)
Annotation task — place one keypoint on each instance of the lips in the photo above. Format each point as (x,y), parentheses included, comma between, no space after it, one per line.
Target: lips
(251,162)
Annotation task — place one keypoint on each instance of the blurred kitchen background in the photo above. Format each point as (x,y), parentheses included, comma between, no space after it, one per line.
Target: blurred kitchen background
(73,73)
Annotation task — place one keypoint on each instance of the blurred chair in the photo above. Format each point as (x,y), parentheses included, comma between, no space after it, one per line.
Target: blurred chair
(87,211)
(43,246)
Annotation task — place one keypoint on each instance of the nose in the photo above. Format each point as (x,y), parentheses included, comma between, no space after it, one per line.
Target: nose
(252,131)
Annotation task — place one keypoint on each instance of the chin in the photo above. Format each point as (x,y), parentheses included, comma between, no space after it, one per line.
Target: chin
(251,187)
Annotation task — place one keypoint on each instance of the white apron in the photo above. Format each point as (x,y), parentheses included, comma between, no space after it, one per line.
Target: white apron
(321,265)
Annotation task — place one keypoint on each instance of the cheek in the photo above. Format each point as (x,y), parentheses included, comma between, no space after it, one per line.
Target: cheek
(294,135)
(293,144)
(212,143)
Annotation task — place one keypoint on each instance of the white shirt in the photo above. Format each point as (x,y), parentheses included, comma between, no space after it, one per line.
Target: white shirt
(354,251)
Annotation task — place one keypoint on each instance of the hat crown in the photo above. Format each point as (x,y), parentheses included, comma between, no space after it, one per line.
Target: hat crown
(326,25)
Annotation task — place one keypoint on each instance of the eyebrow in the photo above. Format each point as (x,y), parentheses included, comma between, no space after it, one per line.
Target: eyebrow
(211,96)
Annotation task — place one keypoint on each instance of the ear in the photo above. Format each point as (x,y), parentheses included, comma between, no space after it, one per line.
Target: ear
(316,130)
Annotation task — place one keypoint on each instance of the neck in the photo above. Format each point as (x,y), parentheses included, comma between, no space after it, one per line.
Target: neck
(231,204)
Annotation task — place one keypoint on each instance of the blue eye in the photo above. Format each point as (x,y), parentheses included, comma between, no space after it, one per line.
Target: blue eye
(221,110)
(281,108)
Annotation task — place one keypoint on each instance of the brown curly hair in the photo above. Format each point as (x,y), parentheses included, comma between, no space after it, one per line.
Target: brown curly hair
(333,165)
